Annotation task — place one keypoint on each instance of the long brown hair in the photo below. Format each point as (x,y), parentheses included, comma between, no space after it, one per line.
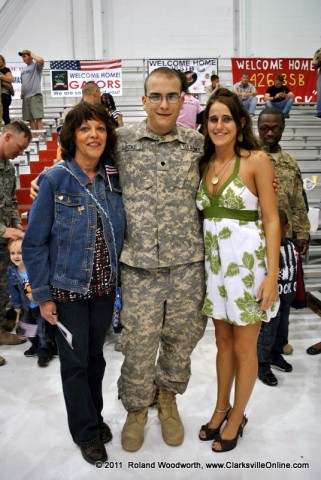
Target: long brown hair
(238,111)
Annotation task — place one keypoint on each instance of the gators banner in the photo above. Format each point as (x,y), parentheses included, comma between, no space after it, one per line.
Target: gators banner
(69,76)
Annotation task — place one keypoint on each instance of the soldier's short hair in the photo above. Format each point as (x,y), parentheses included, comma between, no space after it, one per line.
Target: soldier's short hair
(89,88)
(18,126)
(169,72)
(272,111)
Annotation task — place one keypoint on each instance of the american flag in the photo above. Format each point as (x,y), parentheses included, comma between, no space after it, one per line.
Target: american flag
(26,330)
(111,170)
(84,65)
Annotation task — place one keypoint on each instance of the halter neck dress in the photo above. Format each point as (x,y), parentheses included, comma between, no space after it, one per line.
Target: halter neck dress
(235,252)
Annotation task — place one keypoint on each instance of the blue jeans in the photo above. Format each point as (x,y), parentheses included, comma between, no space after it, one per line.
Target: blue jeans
(83,367)
(273,336)
(33,316)
(250,104)
(285,105)
(319,95)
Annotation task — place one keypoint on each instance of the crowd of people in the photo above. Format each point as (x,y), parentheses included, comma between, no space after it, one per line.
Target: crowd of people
(277,95)
(192,227)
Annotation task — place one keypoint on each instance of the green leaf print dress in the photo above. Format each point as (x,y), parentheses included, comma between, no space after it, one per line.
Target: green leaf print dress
(235,253)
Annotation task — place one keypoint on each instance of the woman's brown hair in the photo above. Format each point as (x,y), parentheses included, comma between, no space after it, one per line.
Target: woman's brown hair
(84,111)
(238,111)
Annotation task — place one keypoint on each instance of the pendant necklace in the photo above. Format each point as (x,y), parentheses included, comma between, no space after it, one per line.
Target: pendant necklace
(215,179)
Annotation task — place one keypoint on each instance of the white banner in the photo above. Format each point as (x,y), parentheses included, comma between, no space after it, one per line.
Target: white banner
(69,76)
(16,69)
(198,70)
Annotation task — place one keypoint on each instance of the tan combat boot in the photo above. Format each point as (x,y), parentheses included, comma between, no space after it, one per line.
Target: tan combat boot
(9,325)
(287,349)
(2,361)
(132,436)
(7,338)
(172,426)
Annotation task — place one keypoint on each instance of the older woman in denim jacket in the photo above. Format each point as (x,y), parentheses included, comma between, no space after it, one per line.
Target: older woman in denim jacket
(71,248)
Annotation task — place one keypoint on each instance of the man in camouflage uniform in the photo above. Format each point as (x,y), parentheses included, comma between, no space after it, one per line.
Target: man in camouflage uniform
(273,335)
(14,139)
(316,63)
(162,260)
(271,125)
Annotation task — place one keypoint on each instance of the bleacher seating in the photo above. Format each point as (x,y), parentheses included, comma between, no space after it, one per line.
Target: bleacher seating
(25,181)
(47,154)
(302,139)
(40,155)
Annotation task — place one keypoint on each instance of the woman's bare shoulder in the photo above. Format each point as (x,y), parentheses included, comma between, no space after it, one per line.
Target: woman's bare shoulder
(255,156)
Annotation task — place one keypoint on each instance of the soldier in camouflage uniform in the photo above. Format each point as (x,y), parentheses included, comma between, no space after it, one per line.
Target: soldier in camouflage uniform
(271,124)
(162,260)
(316,64)
(274,335)
(15,137)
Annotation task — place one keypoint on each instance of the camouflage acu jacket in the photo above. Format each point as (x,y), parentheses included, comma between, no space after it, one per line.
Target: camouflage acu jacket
(9,215)
(290,197)
(159,177)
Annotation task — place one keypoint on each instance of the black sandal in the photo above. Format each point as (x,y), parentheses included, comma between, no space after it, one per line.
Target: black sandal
(313,351)
(211,433)
(227,445)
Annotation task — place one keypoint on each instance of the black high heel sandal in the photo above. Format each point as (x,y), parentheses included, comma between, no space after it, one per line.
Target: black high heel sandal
(227,445)
(211,433)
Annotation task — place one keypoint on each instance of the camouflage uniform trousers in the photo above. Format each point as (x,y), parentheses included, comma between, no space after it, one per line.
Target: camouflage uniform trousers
(4,291)
(162,323)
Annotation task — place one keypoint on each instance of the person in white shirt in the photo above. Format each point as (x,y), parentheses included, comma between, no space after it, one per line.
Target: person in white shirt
(247,93)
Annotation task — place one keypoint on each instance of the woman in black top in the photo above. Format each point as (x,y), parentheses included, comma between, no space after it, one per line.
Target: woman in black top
(114,114)
(6,79)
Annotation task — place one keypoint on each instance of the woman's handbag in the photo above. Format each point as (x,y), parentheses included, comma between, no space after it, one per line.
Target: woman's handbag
(7,86)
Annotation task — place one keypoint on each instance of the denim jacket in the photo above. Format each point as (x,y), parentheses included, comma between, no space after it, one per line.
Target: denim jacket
(17,294)
(58,246)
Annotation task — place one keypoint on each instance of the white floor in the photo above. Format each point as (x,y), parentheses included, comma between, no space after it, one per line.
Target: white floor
(283,428)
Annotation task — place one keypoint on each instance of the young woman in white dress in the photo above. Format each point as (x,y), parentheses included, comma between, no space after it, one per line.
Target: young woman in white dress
(242,256)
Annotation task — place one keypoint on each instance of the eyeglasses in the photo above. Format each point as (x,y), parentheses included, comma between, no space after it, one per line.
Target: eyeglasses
(275,129)
(158,98)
